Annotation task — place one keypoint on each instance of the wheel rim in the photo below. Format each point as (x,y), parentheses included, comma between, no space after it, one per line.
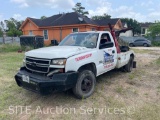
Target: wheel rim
(86,85)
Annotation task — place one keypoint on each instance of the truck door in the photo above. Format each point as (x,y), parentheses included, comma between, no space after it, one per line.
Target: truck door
(107,53)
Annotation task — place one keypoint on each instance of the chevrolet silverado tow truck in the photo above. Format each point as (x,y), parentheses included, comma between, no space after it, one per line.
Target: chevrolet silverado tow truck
(74,63)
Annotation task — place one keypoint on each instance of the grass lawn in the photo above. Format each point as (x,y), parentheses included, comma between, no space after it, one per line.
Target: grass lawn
(118,95)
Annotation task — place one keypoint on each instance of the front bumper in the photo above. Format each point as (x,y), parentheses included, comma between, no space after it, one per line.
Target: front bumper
(43,84)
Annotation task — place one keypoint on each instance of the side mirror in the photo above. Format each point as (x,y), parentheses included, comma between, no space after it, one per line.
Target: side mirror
(106,45)
(54,42)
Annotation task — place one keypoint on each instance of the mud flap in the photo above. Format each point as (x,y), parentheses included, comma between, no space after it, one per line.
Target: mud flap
(134,64)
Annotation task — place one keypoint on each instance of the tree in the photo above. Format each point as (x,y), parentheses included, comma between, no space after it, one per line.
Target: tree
(13,27)
(43,17)
(2,30)
(154,30)
(78,8)
(100,17)
(132,23)
(2,25)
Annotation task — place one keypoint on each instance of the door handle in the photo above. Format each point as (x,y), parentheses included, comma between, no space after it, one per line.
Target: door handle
(113,51)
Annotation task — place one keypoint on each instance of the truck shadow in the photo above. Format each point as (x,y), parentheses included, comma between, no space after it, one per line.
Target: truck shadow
(110,76)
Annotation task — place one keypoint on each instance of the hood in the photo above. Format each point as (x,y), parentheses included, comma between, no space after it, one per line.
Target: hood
(57,52)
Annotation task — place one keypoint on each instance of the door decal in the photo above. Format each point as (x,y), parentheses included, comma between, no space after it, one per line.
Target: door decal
(108,60)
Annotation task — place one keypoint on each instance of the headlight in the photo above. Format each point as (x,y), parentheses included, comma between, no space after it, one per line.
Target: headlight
(58,62)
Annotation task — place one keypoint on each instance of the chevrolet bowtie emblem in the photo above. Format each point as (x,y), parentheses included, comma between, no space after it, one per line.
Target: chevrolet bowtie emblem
(34,64)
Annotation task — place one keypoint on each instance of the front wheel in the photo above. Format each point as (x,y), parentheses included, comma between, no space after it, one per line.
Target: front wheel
(85,85)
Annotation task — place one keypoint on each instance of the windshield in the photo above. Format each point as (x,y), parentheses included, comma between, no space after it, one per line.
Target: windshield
(88,40)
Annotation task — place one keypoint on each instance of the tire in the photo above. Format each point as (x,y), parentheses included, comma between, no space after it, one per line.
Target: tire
(129,66)
(131,45)
(145,45)
(85,85)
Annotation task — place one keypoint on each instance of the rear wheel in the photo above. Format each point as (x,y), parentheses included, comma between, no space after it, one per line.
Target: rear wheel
(85,85)
(129,66)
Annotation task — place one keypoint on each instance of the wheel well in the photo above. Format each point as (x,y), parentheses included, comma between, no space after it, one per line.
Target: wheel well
(90,66)
(145,44)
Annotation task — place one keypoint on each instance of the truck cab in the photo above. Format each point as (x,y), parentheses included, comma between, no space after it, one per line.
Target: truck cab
(73,64)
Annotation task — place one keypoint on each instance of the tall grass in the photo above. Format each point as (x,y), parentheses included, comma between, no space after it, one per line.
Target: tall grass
(9,47)
(13,48)
(158,61)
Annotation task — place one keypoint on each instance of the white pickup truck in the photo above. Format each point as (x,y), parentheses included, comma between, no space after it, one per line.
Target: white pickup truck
(74,63)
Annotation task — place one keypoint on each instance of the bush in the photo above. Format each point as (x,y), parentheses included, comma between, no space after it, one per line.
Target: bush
(156,43)
(14,48)
(9,47)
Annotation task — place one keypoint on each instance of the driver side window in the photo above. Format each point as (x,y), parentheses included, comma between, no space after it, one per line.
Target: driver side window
(105,38)
(105,41)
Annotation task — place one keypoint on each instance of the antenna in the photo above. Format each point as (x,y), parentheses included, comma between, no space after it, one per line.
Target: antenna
(80,19)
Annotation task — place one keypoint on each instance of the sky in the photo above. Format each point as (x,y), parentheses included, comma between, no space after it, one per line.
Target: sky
(141,10)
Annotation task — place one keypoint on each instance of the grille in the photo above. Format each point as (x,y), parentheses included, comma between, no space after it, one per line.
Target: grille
(40,61)
(37,64)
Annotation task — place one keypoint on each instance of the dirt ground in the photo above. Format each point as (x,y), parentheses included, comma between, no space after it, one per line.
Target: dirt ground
(118,95)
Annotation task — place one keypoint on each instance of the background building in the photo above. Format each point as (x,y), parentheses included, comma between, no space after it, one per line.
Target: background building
(59,26)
